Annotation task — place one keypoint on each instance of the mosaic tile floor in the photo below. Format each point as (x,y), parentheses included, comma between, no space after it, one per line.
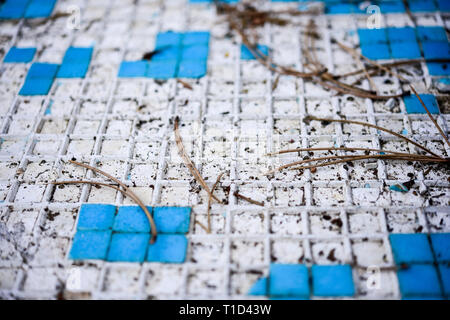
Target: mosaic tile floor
(75,84)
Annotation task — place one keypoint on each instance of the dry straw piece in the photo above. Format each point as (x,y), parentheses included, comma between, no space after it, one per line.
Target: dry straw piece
(125,190)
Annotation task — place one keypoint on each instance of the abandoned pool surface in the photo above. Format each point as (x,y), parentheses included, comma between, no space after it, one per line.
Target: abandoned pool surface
(75,83)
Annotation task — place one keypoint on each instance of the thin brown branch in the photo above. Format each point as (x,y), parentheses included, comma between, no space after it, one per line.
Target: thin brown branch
(189,164)
(376,64)
(376,127)
(210,200)
(356,56)
(341,149)
(94,183)
(275,83)
(318,75)
(390,64)
(410,157)
(378,157)
(240,196)
(430,116)
(185,84)
(130,193)
(202,226)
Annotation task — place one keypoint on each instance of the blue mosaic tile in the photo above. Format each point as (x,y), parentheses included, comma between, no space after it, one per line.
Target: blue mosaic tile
(259,288)
(73,70)
(288,280)
(342,8)
(438,69)
(406,34)
(131,219)
(421,5)
(40,8)
(443,5)
(168,248)
(168,39)
(90,245)
(75,63)
(78,54)
(133,69)
(39,79)
(172,219)
(405,50)
(182,55)
(36,87)
(441,246)
(376,51)
(196,37)
(444,271)
(131,233)
(128,247)
(371,36)
(20,55)
(422,298)
(195,52)
(42,70)
(419,280)
(96,217)
(167,53)
(13,9)
(401,247)
(413,104)
(162,69)
(391,7)
(192,69)
(436,50)
(431,34)
(332,281)
(246,54)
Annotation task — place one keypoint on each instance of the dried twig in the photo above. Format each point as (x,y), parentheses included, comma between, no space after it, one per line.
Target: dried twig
(390,64)
(210,200)
(202,226)
(340,149)
(129,192)
(346,158)
(238,21)
(275,83)
(430,116)
(189,164)
(185,84)
(358,58)
(240,196)
(376,127)
(94,183)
